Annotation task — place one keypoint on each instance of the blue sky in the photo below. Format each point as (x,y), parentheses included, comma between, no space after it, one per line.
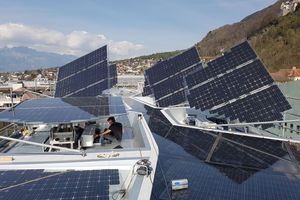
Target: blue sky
(130,27)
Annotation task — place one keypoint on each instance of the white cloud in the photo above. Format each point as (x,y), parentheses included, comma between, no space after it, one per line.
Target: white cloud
(76,42)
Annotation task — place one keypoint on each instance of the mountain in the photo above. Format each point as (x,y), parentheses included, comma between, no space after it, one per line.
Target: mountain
(275,38)
(279,44)
(229,35)
(24,58)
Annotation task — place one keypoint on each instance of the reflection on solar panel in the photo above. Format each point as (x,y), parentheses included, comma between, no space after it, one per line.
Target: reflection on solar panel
(165,79)
(237,86)
(73,109)
(239,167)
(93,184)
(86,76)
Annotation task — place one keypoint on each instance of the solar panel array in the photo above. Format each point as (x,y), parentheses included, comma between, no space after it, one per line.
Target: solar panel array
(237,86)
(165,78)
(86,76)
(36,184)
(265,105)
(229,86)
(47,110)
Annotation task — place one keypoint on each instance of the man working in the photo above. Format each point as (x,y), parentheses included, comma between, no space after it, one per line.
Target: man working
(115,129)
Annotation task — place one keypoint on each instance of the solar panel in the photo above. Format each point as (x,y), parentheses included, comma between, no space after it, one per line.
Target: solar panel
(234,85)
(70,85)
(146,90)
(265,105)
(174,99)
(86,73)
(83,62)
(165,79)
(73,109)
(224,88)
(112,75)
(92,184)
(169,67)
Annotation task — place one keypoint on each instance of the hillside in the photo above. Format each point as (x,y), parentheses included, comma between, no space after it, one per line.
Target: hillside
(23,58)
(275,39)
(279,45)
(229,35)
(138,65)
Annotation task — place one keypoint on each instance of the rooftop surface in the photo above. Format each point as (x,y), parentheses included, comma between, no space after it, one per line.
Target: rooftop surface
(221,166)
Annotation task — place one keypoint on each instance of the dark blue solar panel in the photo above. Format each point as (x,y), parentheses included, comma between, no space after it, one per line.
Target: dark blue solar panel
(113,75)
(266,105)
(174,99)
(166,77)
(171,86)
(235,57)
(147,89)
(220,90)
(166,68)
(168,86)
(84,73)
(230,60)
(73,109)
(83,62)
(215,85)
(93,90)
(82,80)
(93,184)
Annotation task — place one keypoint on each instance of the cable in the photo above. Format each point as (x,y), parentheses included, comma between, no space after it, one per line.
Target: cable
(123,191)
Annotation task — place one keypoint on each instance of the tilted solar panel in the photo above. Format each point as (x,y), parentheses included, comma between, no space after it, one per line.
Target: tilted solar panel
(229,86)
(165,79)
(83,62)
(86,73)
(169,67)
(237,86)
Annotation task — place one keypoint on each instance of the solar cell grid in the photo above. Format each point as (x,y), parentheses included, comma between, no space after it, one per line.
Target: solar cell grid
(93,184)
(84,73)
(261,106)
(175,99)
(166,68)
(113,75)
(73,109)
(166,78)
(196,77)
(83,62)
(82,80)
(168,86)
(230,86)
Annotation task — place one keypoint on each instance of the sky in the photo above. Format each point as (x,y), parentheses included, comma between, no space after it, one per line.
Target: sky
(129,27)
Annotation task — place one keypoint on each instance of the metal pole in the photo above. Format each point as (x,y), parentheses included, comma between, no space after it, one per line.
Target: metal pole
(43,145)
(239,133)
(283,125)
(11,98)
(255,123)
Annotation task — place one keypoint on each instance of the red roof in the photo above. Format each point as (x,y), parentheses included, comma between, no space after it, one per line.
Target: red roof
(294,72)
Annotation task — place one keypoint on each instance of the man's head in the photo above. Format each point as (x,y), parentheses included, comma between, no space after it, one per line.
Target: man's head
(111,120)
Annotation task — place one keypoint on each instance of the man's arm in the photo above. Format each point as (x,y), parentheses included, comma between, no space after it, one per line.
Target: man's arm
(106,132)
